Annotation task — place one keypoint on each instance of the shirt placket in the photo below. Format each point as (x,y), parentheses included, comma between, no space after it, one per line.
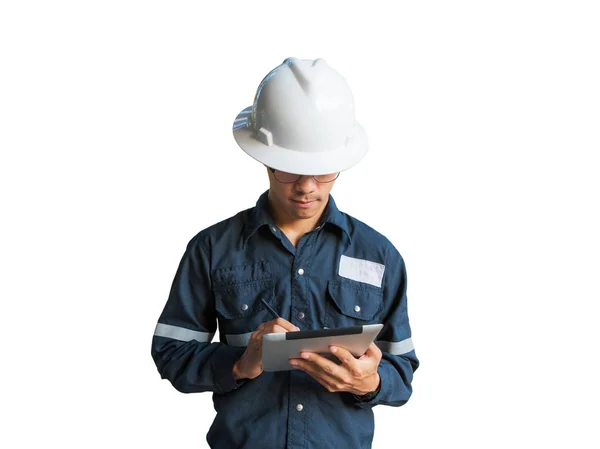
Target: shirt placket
(299,408)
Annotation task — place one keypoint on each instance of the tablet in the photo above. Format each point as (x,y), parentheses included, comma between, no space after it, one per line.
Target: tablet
(278,348)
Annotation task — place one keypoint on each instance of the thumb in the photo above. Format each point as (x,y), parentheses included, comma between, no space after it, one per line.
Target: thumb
(373,351)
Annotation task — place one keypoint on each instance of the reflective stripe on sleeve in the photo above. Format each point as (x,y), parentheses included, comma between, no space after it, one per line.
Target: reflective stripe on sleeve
(238,339)
(396,347)
(182,334)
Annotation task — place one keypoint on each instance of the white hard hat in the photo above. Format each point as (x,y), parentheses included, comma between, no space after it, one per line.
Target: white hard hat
(302,120)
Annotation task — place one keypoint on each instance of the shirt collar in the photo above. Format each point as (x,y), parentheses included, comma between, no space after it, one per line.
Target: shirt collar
(261,216)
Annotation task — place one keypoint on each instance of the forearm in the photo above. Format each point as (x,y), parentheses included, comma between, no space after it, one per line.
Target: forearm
(193,366)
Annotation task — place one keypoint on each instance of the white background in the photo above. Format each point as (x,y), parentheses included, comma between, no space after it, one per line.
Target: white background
(116,148)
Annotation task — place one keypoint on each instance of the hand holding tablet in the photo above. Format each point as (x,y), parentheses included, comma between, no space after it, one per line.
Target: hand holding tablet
(278,348)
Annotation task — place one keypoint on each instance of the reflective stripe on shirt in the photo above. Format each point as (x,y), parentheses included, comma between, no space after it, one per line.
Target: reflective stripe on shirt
(181,333)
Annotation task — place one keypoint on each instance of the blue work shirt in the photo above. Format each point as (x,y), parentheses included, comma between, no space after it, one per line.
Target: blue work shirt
(343,273)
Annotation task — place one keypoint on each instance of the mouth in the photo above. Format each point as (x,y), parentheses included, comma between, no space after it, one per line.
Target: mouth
(303,203)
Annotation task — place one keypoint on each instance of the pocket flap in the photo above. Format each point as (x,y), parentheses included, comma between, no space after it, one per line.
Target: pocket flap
(356,300)
(240,300)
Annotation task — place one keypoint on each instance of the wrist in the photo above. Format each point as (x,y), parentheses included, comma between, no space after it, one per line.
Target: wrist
(374,384)
(372,391)
(237,375)
(377,383)
(239,372)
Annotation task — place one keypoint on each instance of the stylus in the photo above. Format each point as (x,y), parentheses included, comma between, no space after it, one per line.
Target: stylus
(269,308)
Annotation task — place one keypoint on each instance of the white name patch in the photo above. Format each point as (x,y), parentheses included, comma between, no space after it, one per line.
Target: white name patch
(361,270)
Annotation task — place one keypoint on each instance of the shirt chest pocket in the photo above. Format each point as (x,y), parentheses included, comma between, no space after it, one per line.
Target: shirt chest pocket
(239,292)
(352,303)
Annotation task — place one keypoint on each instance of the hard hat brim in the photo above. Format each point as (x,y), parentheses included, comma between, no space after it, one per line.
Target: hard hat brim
(300,162)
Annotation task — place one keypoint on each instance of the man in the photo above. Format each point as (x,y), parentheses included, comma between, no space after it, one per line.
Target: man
(313,265)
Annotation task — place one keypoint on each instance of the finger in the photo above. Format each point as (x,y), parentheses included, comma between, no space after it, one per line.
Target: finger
(309,367)
(329,381)
(323,378)
(319,363)
(326,381)
(269,329)
(373,351)
(344,356)
(304,363)
(323,382)
(282,322)
(277,329)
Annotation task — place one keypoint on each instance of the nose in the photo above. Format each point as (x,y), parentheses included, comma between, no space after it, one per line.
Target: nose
(306,184)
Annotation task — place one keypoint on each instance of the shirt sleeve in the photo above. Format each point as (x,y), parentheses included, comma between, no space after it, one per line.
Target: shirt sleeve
(399,361)
(181,345)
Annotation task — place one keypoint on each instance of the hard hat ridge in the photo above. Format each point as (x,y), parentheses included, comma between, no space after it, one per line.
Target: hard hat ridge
(303,73)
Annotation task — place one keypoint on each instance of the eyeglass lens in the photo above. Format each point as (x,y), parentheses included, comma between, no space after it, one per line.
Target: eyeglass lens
(282,176)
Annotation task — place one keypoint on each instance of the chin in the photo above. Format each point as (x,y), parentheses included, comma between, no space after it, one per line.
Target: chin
(303,214)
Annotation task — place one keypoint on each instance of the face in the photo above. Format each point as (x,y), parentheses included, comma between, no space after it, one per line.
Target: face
(303,199)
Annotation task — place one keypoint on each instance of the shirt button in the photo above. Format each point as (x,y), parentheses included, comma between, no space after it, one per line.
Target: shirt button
(299,407)
(357,308)
(244,306)
(300,315)
(274,229)
(300,271)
